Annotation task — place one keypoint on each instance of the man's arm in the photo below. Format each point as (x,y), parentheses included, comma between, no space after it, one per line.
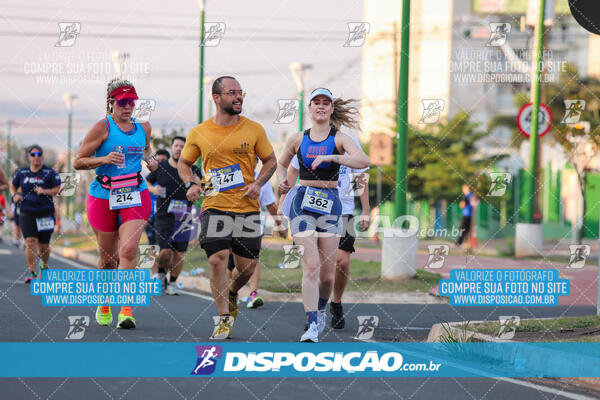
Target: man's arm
(267,170)
(366,207)
(148,156)
(50,192)
(184,169)
(279,227)
(3,180)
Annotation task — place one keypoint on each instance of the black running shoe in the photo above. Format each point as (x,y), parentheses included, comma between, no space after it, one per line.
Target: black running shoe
(337,315)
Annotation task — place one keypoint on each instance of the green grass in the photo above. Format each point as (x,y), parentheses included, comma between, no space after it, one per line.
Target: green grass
(586,339)
(536,325)
(80,241)
(364,275)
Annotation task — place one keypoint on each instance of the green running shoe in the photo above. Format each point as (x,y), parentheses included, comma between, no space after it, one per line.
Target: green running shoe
(103,315)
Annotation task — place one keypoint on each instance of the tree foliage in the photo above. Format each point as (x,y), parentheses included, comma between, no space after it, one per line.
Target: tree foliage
(441,157)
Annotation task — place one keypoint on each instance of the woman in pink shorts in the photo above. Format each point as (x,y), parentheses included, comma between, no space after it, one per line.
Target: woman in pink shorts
(115,148)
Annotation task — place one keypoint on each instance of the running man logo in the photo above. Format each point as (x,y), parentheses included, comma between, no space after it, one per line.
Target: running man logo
(212,33)
(437,253)
(358,184)
(432,109)
(68,33)
(69,182)
(287,111)
(77,325)
(147,254)
(366,327)
(499,32)
(499,183)
(293,254)
(207,359)
(508,327)
(143,109)
(357,33)
(186,230)
(579,253)
(573,110)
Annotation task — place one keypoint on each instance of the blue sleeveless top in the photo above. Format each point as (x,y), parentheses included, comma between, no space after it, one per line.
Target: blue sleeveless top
(131,144)
(309,150)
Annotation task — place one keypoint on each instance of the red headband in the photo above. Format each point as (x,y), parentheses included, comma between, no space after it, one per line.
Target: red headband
(123,92)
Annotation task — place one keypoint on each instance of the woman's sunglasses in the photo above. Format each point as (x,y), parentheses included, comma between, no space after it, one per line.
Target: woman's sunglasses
(125,102)
(35,154)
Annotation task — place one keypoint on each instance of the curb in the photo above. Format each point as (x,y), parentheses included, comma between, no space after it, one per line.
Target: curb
(526,355)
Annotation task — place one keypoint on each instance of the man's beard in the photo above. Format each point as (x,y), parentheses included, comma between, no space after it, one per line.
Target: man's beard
(229,110)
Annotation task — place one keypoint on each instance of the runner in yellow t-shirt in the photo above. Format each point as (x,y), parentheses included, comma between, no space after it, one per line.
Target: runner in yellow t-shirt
(228,145)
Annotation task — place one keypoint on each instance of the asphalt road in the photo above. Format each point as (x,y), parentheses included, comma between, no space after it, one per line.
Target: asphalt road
(188,318)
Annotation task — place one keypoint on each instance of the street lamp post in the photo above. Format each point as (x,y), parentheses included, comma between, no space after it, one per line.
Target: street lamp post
(207,80)
(534,138)
(300,73)
(120,60)
(399,250)
(402,114)
(9,125)
(201,72)
(529,234)
(69,103)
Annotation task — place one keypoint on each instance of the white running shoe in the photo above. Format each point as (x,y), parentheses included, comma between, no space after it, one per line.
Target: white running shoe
(322,320)
(171,289)
(312,334)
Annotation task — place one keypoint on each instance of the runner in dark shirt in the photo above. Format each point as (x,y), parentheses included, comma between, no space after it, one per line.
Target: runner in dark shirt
(173,222)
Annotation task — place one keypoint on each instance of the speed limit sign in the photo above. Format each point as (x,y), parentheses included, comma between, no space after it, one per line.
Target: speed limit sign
(524,119)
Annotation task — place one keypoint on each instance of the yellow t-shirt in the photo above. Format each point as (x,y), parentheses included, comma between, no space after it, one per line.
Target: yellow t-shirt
(223,146)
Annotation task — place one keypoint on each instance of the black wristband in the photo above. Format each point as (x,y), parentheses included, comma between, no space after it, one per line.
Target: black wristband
(189,184)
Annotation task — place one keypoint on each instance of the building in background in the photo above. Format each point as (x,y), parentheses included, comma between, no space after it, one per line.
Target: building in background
(452,59)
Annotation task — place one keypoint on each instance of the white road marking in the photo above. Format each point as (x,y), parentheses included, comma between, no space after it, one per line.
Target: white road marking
(196,295)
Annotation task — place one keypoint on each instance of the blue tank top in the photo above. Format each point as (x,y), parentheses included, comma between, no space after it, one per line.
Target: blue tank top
(309,150)
(131,144)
